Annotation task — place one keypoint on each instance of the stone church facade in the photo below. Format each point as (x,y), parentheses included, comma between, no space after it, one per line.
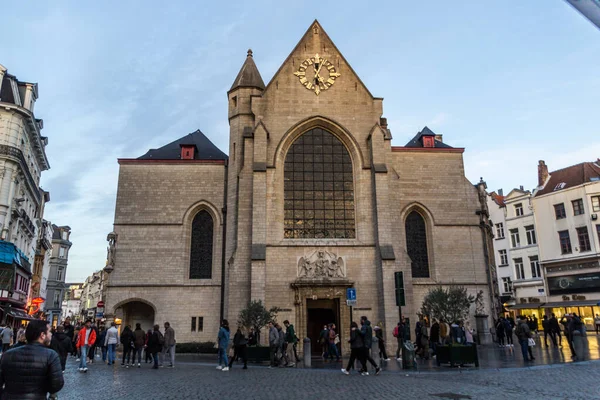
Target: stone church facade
(313,199)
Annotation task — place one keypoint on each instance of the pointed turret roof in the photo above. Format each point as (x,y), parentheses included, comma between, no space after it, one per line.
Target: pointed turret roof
(248,75)
(417,142)
(205,149)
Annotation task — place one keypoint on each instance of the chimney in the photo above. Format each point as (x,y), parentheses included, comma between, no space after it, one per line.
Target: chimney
(521,187)
(383,122)
(500,192)
(542,173)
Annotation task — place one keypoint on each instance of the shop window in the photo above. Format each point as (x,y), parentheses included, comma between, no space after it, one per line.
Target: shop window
(201,253)
(500,231)
(584,239)
(520,270)
(534,262)
(318,188)
(559,211)
(416,244)
(514,237)
(565,242)
(578,207)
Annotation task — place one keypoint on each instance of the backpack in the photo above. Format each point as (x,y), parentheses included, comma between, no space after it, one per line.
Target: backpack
(161,338)
(396,331)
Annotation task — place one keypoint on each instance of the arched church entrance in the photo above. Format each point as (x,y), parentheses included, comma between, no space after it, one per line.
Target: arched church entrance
(321,312)
(135,312)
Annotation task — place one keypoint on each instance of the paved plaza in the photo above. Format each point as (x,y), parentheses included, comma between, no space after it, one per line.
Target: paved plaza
(200,380)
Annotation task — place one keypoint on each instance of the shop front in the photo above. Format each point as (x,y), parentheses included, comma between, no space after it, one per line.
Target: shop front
(566,296)
(534,309)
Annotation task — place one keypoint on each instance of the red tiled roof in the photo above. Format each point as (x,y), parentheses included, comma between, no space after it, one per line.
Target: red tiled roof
(572,176)
(498,199)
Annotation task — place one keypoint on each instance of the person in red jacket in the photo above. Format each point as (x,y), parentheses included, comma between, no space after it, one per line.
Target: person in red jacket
(85,340)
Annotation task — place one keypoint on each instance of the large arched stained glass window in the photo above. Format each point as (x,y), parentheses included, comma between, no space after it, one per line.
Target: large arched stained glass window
(416,244)
(319,188)
(201,253)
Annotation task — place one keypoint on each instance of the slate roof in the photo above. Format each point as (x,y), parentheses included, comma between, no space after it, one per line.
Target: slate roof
(417,142)
(205,149)
(248,75)
(572,176)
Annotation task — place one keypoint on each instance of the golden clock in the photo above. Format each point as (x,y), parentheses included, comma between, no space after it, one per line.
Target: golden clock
(317,74)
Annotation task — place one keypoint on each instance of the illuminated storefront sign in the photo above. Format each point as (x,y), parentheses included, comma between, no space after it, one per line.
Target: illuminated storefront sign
(583,283)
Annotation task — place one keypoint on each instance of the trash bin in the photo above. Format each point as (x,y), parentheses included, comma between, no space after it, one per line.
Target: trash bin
(408,355)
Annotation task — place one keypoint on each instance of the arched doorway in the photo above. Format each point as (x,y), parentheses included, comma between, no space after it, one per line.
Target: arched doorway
(135,312)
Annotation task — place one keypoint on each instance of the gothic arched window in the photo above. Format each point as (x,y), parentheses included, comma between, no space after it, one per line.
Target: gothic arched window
(318,188)
(201,253)
(416,244)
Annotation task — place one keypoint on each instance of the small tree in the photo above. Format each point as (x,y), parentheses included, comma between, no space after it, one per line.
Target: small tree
(256,316)
(451,304)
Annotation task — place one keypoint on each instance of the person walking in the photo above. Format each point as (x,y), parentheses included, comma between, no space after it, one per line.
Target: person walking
(523,333)
(154,344)
(7,337)
(434,336)
(281,345)
(87,337)
(398,333)
(290,339)
(127,342)
(75,338)
(367,335)
(100,342)
(92,350)
(555,330)
(148,356)
(333,350)
(546,328)
(139,340)
(356,350)
(508,331)
(324,341)
(223,342)
(381,343)
(239,348)
(110,341)
(33,370)
(69,330)
(61,343)
(273,343)
(500,331)
(597,323)
(169,346)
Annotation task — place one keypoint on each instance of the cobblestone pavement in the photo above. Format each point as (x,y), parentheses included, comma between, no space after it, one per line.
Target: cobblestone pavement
(199,380)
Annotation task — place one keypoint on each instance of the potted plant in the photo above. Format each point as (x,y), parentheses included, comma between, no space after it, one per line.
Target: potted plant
(256,316)
(451,304)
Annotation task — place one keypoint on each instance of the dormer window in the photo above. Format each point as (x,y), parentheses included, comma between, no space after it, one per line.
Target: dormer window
(428,141)
(188,151)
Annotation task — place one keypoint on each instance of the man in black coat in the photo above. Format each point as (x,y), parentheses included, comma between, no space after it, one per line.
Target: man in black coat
(62,344)
(32,371)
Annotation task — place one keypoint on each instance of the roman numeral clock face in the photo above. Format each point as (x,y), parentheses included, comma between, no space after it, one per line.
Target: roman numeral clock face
(317,74)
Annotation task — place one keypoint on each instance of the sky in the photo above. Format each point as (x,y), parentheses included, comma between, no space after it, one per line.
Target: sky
(512,81)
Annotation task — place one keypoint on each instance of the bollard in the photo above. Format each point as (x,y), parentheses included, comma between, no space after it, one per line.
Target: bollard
(578,345)
(307,353)
(375,351)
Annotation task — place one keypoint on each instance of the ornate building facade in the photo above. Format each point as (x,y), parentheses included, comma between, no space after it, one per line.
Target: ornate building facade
(312,199)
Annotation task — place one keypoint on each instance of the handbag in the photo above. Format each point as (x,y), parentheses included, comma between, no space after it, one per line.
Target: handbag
(531,342)
(336,340)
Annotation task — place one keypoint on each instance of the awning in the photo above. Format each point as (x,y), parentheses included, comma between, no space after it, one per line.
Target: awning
(17,313)
(523,306)
(580,303)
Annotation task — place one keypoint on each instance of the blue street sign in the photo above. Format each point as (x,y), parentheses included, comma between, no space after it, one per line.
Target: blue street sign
(351,294)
